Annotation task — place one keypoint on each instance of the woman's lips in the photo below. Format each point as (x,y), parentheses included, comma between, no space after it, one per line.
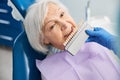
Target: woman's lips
(67,35)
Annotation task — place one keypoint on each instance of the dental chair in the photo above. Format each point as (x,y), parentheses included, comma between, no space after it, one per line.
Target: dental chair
(9,27)
(22,5)
(24,59)
(24,56)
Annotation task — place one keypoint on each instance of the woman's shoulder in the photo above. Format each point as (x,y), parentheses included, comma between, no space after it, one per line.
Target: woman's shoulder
(53,59)
(55,63)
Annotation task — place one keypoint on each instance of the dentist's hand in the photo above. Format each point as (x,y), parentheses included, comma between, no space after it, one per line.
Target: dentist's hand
(100,36)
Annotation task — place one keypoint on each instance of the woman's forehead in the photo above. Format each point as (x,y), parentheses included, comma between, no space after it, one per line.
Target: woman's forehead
(53,10)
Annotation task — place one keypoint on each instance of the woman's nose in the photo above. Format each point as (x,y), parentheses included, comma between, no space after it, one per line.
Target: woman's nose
(64,25)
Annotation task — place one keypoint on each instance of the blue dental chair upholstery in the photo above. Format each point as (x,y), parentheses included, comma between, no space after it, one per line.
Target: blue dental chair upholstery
(22,5)
(24,57)
(9,27)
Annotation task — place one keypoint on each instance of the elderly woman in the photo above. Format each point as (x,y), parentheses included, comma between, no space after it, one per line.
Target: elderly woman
(48,24)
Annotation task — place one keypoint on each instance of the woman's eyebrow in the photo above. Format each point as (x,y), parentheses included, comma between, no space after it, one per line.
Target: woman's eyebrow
(48,21)
(59,8)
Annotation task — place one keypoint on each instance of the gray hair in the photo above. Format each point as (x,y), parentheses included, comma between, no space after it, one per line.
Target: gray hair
(34,22)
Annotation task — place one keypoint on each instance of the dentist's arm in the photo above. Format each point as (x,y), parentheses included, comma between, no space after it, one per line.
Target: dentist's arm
(103,37)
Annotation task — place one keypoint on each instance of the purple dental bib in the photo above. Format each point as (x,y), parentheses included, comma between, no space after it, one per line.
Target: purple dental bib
(92,62)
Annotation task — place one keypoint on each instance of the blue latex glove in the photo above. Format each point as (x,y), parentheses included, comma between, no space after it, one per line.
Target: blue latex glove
(101,36)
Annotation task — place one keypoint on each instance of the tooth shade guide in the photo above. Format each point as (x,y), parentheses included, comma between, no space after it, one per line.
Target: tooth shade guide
(70,37)
(73,33)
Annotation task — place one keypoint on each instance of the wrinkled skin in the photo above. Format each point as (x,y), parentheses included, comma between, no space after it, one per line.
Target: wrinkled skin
(58,25)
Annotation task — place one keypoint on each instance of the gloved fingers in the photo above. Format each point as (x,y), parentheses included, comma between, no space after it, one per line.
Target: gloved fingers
(97,28)
(91,39)
(90,32)
(88,39)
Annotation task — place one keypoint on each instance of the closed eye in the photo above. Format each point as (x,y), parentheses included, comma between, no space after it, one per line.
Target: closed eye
(51,27)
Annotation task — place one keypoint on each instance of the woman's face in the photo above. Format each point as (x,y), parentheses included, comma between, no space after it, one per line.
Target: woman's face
(58,25)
